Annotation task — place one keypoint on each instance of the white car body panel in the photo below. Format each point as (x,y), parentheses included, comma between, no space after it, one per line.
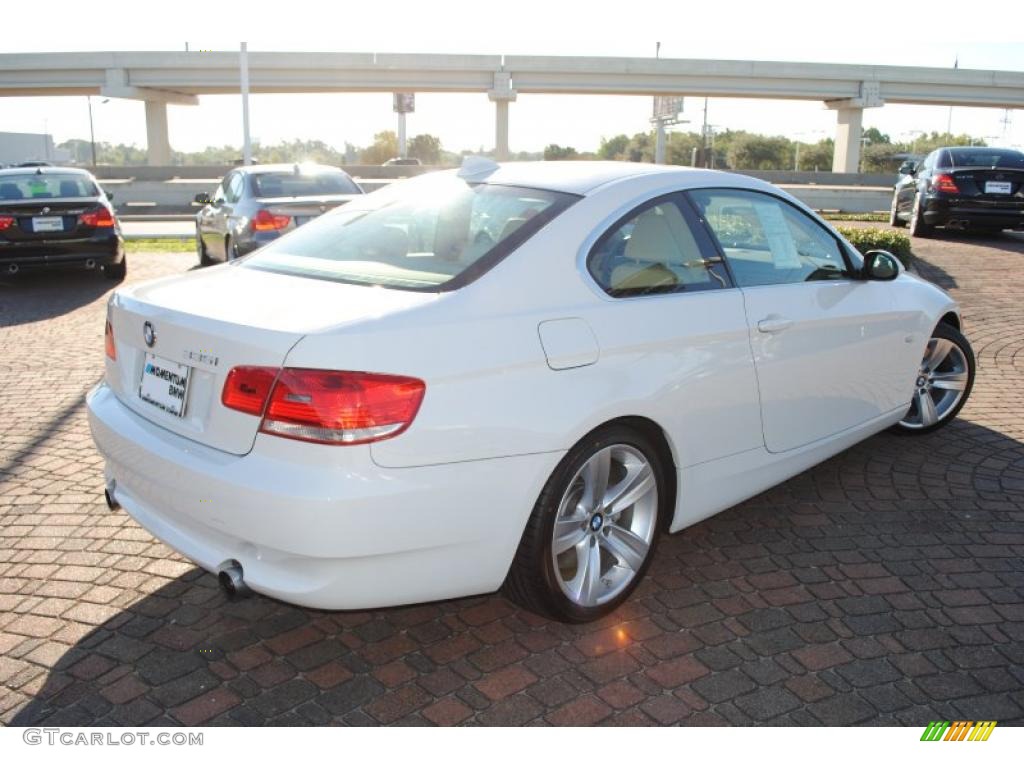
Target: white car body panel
(519,366)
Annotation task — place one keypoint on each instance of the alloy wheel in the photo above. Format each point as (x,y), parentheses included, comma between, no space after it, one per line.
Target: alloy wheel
(941,381)
(605,525)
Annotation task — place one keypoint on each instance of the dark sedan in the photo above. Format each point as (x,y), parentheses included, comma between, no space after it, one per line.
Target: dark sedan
(57,217)
(973,188)
(258,203)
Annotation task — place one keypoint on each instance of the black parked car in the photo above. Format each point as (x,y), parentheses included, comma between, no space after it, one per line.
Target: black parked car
(52,216)
(258,203)
(975,188)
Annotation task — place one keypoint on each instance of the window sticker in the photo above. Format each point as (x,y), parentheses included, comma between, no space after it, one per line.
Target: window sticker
(780,239)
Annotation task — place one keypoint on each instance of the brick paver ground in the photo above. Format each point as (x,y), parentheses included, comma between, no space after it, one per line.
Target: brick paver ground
(885,586)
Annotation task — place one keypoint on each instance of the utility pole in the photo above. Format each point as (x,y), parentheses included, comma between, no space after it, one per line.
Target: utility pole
(243,64)
(92,133)
(659,124)
(704,137)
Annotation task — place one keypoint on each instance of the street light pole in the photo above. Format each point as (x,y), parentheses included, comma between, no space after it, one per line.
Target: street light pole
(92,133)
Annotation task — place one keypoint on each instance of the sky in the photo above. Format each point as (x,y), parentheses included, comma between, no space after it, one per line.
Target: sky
(988,36)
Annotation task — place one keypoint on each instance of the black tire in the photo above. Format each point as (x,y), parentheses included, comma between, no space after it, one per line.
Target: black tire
(116,272)
(231,249)
(918,226)
(531,581)
(894,218)
(949,333)
(204,256)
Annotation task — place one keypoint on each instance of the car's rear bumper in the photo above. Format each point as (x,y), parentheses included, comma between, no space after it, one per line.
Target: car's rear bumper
(321,526)
(94,251)
(967,214)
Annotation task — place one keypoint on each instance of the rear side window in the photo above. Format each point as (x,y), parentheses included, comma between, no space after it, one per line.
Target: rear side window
(767,241)
(43,186)
(426,234)
(655,250)
(303,185)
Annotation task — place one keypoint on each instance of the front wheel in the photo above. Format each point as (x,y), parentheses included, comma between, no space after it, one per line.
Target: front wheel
(943,383)
(592,533)
(204,256)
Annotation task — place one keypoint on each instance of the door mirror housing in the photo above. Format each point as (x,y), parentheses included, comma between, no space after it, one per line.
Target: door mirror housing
(880,265)
(203,198)
(907,169)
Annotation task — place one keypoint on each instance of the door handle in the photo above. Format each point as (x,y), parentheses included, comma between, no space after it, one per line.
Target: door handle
(773,324)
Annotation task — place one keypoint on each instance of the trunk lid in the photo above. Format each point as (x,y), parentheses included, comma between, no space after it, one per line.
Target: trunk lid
(303,209)
(213,320)
(49,220)
(990,184)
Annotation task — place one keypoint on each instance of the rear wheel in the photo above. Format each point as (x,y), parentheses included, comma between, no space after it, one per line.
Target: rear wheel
(593,530)
(894,219)
(918,226)
(117,271)
(230,249)
(943,382)
(204,256)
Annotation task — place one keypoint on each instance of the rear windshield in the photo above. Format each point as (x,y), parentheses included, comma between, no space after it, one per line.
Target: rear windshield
(987,158)
(42,186)
(430,233)
(303,185)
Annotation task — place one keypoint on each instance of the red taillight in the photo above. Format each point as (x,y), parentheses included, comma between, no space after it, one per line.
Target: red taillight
(265,221)
(6,222)
(336,407)
(945,183)
(248,387)
(101,217)
(108,341)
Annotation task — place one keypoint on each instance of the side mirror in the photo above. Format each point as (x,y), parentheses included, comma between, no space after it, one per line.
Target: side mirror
(109,194)
(203,198)
(880,265)
(907,169)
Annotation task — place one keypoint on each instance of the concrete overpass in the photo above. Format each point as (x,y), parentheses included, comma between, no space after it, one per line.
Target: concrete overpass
(159,78)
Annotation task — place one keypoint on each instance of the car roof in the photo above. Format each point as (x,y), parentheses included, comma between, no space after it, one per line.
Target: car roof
(288,168)
(43,170)
(581,177)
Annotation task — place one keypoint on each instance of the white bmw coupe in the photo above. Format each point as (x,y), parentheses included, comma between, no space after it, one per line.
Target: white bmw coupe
(510,376)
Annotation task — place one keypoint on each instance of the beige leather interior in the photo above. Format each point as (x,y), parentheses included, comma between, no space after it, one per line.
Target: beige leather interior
(661,252)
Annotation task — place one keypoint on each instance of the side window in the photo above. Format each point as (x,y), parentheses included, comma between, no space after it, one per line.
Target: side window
(766,241)
(234,188)
(218,196)
(655,250)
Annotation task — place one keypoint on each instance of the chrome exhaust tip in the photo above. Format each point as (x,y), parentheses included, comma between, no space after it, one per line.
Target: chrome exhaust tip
(12,269)
(108,494)
(229,574)
(90,263)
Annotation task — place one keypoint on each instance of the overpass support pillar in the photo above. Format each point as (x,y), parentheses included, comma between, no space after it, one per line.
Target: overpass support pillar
(846,155)
(158,146)
(502,95)
(849,121)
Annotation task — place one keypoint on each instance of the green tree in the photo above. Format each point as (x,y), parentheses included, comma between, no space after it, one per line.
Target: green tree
(875,136)
(384,147)
(426,149)
(817,157)
(755,152)
(556,152)
(613,148)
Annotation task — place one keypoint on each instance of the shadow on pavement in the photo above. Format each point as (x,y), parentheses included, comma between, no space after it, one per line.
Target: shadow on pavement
(885,586)
(34,296)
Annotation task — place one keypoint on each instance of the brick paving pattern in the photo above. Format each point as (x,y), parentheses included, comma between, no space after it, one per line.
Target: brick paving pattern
(885,586)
